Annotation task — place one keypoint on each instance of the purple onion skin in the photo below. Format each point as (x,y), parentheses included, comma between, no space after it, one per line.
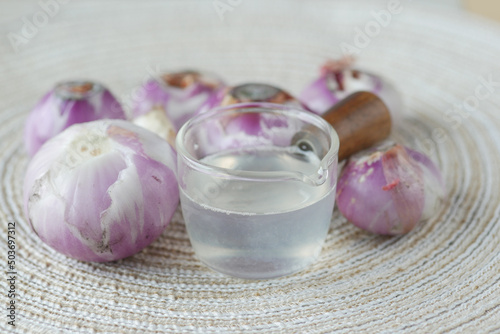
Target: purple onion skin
(55,112)
(247,123)
(330,88)
(318,97)
(179,103)
(101,191)
(226,97)
(250,124)
(215,100)
(389,191)
(243,128)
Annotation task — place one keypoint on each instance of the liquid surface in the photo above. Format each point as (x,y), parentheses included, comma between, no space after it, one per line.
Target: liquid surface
(265,159)
(249,197)
(258,229)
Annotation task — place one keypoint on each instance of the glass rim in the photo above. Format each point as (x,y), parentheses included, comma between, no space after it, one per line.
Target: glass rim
(260,107)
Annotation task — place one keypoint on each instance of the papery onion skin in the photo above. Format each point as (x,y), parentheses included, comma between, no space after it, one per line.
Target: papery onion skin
(252,92)
(248,95)
(215,100)
(388,190)
(179,94)
(157,122)
(239,129)
(258,92)
(339,79)
(70,102)
(101,191)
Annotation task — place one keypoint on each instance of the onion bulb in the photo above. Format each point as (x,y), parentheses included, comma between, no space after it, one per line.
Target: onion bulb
(180,95)
(247,96)
(389,189)
(339,79)
(251,92)
(68,103)
(101,191)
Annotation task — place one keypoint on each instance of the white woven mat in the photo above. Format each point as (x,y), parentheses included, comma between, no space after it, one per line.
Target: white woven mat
(442,277)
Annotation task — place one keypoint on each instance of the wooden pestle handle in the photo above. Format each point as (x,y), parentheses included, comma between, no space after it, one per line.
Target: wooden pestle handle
(360,120)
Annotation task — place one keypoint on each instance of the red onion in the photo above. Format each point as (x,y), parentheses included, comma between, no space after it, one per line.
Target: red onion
(246,96)
(338,80)
(101,191)
(240,129)
(251,92)
(180,95)
(69,103)
(389,189)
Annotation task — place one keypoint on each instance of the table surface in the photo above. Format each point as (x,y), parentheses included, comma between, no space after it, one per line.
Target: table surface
(442,277)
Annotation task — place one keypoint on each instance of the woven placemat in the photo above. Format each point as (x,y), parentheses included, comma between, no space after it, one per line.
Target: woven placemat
(442,277)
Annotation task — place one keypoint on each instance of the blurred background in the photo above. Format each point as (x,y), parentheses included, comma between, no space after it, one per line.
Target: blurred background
(487,8)
(434,52)
(121,42)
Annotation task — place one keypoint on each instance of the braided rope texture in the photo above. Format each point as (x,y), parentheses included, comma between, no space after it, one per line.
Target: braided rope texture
(442,277)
